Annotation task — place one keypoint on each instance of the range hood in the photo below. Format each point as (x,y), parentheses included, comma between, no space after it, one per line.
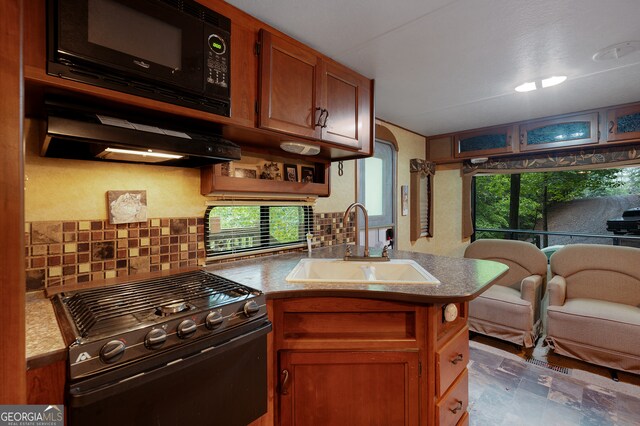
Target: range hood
(77,133)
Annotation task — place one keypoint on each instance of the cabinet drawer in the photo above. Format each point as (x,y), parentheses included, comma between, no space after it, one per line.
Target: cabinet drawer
(453,405)
(337,323)
(451,360)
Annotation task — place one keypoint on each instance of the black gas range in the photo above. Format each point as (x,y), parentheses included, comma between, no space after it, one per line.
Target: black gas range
(136,343)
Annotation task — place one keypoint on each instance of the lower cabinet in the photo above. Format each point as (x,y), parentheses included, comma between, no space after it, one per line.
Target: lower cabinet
(344,361)
(348,388)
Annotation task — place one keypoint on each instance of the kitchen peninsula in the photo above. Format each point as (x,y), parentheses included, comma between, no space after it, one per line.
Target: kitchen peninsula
(345,353)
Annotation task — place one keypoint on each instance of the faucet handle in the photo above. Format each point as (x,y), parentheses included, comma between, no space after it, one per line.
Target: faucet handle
(385,252)
(347,252)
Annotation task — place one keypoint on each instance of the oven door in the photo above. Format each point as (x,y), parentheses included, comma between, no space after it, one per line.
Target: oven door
(143,37)
(222,385)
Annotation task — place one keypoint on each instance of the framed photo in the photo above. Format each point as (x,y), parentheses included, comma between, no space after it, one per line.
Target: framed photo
(404,189)
(127,206)
(246,172)
(290,173)
(306,174)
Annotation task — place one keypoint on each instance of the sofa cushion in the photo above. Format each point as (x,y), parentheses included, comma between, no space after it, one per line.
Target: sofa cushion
(503,305)
(600,272)
(598,323)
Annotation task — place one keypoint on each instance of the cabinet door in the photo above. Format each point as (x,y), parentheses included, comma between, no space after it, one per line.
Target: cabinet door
(560,132)
(349,388)
(477,143)
(623,123)
(289,83)
(346,99)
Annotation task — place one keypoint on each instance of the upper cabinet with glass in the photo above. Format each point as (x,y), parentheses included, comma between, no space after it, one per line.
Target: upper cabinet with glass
(581,129)
(623,123)
(478,143)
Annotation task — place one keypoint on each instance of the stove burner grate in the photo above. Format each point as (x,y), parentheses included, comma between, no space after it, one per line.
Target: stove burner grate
(119,307)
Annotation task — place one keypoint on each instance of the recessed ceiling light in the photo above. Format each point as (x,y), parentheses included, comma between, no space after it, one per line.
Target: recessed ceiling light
(552,81)
(526,87)
(541,82)
(616,51)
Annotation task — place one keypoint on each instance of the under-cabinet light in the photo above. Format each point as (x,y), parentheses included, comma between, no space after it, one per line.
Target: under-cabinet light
(147,153)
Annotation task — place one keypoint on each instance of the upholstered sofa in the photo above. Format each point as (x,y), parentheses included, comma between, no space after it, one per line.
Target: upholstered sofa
(594,305)
(510,309)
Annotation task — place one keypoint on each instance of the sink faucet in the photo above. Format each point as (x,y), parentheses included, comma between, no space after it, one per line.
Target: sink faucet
(347,254)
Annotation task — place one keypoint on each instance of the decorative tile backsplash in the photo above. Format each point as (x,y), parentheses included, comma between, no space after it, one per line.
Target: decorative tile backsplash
(73,252)
(70,252)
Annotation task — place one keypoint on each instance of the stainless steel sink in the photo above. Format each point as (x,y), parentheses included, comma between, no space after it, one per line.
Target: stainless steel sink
(395,271)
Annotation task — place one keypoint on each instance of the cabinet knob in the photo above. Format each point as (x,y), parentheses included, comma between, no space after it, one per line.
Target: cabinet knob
(457,408)
(457,359)
(611,126)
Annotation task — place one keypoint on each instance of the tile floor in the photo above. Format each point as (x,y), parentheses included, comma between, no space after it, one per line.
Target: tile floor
(504,391)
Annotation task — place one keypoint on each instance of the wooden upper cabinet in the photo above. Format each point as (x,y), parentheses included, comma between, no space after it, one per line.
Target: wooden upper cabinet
(304,95)
(440,149)
(345,98)
(623,123)
(478,143)
(289,83)
(580,129)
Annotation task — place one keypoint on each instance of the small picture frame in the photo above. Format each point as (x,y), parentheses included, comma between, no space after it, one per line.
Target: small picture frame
(246,172)
(127,206)
(404,190)
(307,174)
(290,173)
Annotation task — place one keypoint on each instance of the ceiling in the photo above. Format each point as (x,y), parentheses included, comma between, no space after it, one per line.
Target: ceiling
(447,65)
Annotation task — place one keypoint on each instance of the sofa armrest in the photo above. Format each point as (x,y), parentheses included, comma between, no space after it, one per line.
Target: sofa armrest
(530,289)
(557,290)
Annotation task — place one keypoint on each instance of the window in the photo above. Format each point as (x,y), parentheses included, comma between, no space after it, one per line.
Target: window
(246,228)
(556,208)
(377,185)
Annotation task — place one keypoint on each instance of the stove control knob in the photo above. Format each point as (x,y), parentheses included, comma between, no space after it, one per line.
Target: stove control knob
(213,320)
(251,308)
(155,338)
(112,351)
(186,329)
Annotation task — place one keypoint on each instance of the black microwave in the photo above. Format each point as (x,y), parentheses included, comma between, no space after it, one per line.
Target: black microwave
(175,51)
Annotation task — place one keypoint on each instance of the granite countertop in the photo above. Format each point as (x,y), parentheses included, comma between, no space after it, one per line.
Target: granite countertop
(460,279)
(44,342)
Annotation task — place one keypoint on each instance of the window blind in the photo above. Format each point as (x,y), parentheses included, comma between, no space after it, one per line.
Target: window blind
(248,227)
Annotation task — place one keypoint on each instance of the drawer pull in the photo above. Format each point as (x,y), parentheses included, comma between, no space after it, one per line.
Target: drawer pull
(457,359)
(457,407)
(285,380)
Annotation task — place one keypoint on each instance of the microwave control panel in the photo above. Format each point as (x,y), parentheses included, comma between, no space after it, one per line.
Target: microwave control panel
(217,62)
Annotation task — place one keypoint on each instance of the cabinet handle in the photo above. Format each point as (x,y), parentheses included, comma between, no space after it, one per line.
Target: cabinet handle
(319,120)
(285,382)
(611,126)
(457,359)
(521,138)
(457,407)
(324,123)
